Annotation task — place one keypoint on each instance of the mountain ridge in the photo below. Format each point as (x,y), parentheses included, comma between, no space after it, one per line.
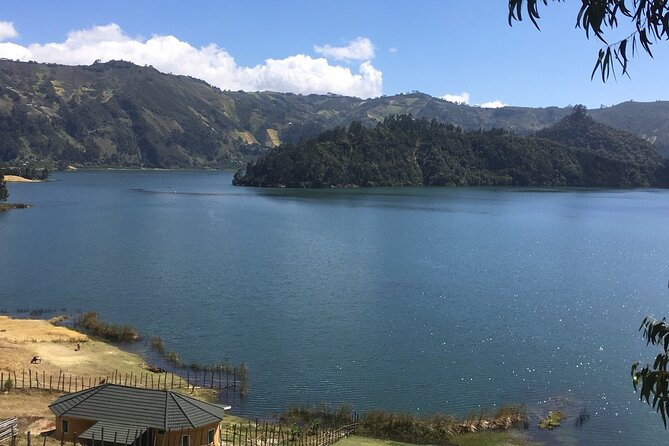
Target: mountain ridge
(118,114)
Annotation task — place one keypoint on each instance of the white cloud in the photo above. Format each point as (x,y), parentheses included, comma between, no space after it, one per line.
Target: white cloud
(493,104)
(7,31)
(392,50)
(358,49)
(297,74)
(462,98)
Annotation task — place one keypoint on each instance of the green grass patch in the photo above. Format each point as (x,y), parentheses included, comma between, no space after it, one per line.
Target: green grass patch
(490,438)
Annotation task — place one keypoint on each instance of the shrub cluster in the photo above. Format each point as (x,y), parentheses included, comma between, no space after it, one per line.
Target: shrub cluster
(91,322)
(403,427)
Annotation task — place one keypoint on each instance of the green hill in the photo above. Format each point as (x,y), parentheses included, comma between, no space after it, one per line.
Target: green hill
(122,115)
(403,151)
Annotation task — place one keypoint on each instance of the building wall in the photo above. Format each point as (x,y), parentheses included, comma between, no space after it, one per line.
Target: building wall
(76,427)
(198,437)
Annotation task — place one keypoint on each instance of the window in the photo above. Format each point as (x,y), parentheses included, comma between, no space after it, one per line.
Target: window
(185,440)
(210,436)
(66,426)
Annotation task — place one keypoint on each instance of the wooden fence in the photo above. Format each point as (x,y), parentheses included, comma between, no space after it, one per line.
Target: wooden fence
(9,428)
(31,379)
(268,434)
(260,434)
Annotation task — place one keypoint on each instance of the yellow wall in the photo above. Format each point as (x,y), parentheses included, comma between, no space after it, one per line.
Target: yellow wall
(198,437)
(76,427)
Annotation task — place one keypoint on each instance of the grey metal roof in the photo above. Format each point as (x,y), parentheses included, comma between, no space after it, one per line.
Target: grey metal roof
(131,406)
(115,433)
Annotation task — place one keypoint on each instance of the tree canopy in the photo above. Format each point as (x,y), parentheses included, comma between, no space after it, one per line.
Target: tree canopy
(4,194)
(646,21)
(403,151)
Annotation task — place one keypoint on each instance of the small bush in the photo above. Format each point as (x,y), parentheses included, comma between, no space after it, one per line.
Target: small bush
(173,358)
(116,333)
(157,345)
(8,385)
(320,416)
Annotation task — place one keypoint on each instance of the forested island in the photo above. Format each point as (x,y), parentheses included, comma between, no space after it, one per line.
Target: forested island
(403,151)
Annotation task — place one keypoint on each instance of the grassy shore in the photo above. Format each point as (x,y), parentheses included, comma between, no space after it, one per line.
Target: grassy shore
(475,439)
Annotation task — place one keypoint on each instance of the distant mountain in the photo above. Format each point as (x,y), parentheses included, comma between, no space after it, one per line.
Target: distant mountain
(122,115)
(649,120)
(403,151)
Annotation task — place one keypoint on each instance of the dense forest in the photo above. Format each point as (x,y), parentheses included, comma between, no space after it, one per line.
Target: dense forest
(403,151)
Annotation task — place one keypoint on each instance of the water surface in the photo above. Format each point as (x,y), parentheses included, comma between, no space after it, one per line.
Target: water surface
(415,299)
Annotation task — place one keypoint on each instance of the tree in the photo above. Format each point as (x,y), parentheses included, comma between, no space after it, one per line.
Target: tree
(653,382)
(648,22)
(4,193)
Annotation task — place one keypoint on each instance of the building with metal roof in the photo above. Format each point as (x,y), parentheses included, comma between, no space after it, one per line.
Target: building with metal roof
(122,415)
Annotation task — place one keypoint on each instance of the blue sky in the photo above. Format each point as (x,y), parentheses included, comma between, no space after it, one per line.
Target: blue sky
(465,49)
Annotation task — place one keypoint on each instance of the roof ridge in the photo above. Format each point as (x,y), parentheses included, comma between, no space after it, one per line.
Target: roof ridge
(92,391)
(190,401)
(166,400)
(182,410)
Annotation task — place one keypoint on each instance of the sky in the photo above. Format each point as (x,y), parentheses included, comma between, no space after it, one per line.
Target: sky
(462,51)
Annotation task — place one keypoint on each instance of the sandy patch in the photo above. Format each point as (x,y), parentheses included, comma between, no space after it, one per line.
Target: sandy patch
(18,179)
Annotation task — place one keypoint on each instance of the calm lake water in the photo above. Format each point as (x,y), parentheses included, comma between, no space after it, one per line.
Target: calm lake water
(417,299)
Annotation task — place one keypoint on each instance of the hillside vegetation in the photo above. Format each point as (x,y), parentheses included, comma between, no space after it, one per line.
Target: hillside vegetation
(119,114)
(403,151)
